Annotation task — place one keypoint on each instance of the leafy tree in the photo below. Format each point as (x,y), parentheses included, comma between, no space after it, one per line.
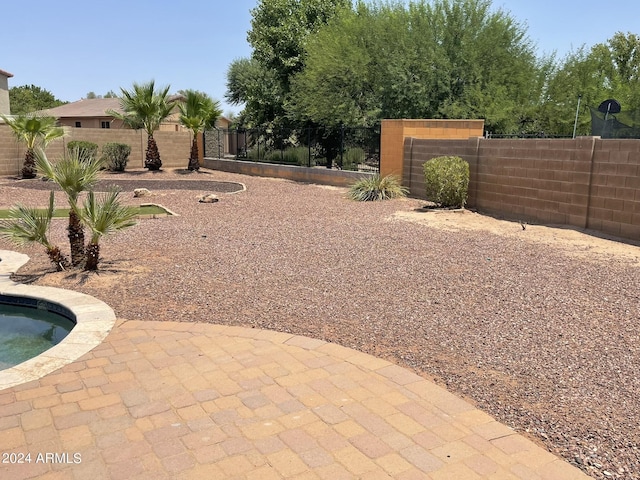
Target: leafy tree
(279,29)
(34,131)
(197,112)
(258,88)
(74,174)
(443,59)
(606,70)
(30,98)
(278,35)
(109,94)
(145,108)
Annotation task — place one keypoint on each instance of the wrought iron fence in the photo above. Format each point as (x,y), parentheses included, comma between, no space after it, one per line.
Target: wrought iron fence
(346,148)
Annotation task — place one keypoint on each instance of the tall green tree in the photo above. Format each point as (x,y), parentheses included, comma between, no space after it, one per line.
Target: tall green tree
(146,108)
(440,59)
(198,112)
(34,131)
(278,36)
(31,98)
(256,88)
(606,70)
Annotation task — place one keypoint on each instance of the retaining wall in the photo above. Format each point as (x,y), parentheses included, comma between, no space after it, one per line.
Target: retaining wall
(319,175)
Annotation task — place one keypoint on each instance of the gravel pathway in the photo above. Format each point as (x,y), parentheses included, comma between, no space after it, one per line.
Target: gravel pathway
(546,342)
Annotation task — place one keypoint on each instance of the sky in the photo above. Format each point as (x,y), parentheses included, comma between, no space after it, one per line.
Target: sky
(73,47)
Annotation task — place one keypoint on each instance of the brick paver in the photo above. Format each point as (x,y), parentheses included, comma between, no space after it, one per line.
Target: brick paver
(167,400)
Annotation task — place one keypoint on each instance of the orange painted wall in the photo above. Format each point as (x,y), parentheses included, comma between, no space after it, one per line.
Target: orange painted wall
(394,132)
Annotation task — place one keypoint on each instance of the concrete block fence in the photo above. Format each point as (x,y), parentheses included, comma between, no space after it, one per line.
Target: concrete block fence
(587,182)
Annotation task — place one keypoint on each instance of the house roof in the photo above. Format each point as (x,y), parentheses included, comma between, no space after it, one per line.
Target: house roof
(6,74)
(88,107)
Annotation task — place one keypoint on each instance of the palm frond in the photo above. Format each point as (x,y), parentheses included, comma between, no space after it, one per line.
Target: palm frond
(27,225)
(73,173)
(104,215)
(34,130)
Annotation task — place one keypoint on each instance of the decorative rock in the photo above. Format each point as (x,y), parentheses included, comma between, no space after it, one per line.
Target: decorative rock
(141,192)
(209,198)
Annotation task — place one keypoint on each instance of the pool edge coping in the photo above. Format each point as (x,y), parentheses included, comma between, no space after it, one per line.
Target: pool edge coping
(94,321)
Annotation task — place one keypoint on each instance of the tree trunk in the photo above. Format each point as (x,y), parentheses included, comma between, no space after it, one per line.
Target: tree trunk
(58,258)
(76,239)
(29,167)
(194,163)
(93,257)
(152,155)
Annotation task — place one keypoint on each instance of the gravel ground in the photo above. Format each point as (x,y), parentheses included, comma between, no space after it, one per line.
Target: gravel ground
(543,339)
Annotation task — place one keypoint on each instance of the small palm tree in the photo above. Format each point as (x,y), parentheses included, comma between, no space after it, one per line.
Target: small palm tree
(74,174)
(103,216)
(34,131)
(145,108)
(27,225)
(198,112)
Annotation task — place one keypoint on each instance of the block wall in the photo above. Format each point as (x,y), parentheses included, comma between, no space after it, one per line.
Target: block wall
(586,182)
(174,147)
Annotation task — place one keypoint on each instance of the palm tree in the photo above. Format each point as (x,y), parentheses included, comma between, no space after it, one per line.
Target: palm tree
(34,131)
(74,174)
(145,108)
(29,225)
(197,112)
(103,217)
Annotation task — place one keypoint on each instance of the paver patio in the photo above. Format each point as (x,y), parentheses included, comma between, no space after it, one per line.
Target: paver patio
(166,400)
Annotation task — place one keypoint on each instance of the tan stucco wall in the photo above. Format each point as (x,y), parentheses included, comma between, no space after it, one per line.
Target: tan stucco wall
(394,132)
(174,146)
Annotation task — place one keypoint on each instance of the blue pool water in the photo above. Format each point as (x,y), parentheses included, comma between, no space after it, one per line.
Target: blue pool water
(26,332)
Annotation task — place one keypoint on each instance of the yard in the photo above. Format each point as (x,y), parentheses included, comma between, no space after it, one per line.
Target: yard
(537,326)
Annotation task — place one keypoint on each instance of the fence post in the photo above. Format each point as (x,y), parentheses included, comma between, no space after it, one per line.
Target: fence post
(341,144)
(309,146)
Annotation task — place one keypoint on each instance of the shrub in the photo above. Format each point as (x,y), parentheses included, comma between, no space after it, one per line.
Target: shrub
(352,157)
(115,156)
(86,150)
(447,181)
(377,188)
(289,156)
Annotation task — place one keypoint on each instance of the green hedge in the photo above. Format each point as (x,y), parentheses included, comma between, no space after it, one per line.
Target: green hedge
(447,181)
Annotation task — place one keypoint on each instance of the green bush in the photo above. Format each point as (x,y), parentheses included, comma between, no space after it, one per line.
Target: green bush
(115,156)
(376,188)
(289,156)
(447,181)
(352,157)
(256,154)
(86,150)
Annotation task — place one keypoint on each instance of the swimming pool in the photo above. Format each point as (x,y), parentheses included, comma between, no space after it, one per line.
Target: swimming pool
(29,327)
(93,321)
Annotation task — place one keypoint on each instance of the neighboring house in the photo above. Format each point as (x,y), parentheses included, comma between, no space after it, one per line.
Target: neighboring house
(87,113)
(92,113)
(5,107)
